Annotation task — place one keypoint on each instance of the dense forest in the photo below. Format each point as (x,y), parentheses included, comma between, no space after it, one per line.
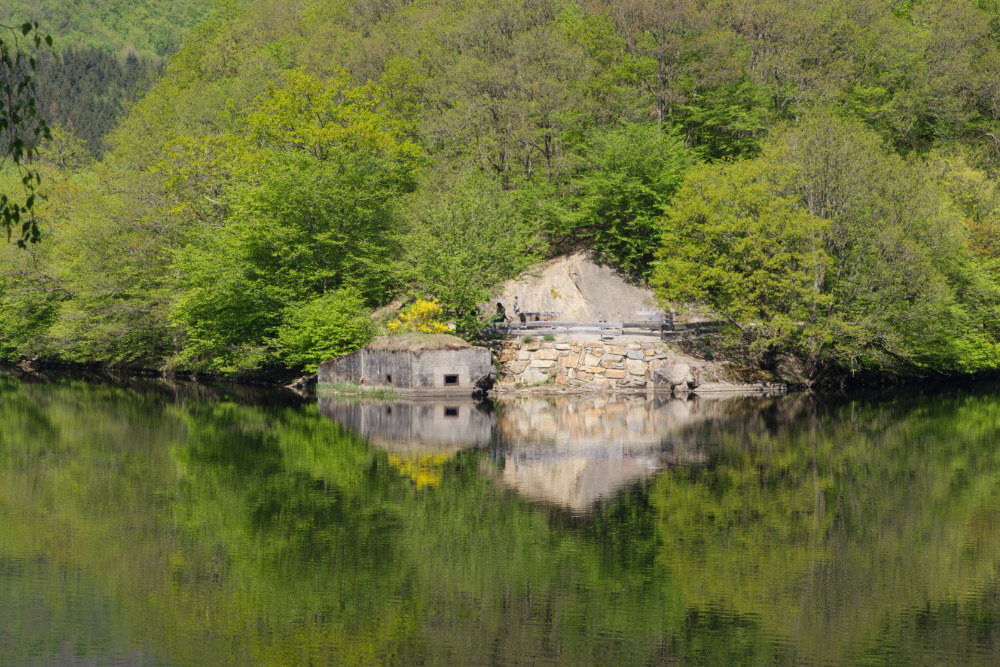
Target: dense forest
(149,31)
(85,90)
(104,54)
(823,174)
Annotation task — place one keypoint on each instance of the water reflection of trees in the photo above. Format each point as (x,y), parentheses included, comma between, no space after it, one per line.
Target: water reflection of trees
(845,519)
(216,531)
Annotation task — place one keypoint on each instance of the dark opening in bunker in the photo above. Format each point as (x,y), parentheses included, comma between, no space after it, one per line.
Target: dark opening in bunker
(388,379)
(451,412)
(450,380)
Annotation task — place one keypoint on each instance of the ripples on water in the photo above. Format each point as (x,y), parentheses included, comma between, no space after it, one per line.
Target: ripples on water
(171,524)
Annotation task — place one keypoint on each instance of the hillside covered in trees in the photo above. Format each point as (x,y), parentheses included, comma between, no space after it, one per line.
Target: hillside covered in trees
(145,29)
(822,173)
(104,54)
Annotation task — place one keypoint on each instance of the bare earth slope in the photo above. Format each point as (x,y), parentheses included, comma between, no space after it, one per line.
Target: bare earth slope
(579,290)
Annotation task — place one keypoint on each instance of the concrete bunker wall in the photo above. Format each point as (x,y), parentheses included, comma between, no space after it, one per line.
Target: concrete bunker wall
(386,368)
(450,369)
(438,370)
(343,369)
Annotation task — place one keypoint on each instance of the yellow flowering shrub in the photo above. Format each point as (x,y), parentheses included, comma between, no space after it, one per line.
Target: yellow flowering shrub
(422,317)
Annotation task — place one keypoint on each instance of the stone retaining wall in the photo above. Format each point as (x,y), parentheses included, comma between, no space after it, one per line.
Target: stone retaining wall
(594,365)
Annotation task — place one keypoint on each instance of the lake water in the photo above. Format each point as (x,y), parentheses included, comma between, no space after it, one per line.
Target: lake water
(161,524)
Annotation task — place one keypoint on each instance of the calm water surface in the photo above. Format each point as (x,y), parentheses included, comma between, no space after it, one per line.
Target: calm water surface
(170,524)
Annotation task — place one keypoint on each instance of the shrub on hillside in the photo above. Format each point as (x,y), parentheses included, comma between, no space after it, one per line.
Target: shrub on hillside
(330,326)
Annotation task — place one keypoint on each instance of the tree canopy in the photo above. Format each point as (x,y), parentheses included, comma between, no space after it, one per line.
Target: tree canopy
(836,250)
(823,174)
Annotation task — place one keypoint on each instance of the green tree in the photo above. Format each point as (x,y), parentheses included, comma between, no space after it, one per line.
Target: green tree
(584,115)
(873,274)
(732,239)
(327,327)
(149,30)
(301,204)
(31,285)
(464,239)
(616,201)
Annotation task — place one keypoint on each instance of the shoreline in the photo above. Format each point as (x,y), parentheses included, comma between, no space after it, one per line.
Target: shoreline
(306,387)
(40,370)
(708,390)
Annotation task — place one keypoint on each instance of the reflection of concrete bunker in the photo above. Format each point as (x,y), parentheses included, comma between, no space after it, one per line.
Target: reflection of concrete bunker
(415,364)
(415,426)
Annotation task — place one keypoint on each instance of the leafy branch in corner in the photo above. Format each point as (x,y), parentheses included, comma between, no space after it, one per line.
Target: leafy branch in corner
(22,129)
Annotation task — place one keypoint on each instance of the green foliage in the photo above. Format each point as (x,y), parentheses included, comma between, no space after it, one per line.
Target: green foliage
(728,121)
(148,30)
(464,240)
(28,305)
(22,128)
(332,120)
(413,149)
(97,271)
(86,90)
(30,294)
(833,249)
(327,327)
(105,53)
(618,199)
(732,240)
(228,310)
(303,206)
(975,195)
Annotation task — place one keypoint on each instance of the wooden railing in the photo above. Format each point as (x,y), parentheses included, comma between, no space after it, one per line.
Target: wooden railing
(651,328)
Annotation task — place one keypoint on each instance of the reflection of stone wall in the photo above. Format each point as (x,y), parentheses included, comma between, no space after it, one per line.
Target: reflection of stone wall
(603,425)
(575,482)
(574,450)
(594,364)
(414,426)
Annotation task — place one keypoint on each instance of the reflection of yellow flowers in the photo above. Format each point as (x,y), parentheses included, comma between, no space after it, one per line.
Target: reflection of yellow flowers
(424,470)
(422,317)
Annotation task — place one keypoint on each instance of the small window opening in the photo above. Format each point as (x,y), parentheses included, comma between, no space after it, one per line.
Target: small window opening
(450,380)
(451,412)
(388,379)
(388,411)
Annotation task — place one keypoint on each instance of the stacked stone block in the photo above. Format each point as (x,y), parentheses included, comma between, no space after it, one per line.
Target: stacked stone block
(604,364)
